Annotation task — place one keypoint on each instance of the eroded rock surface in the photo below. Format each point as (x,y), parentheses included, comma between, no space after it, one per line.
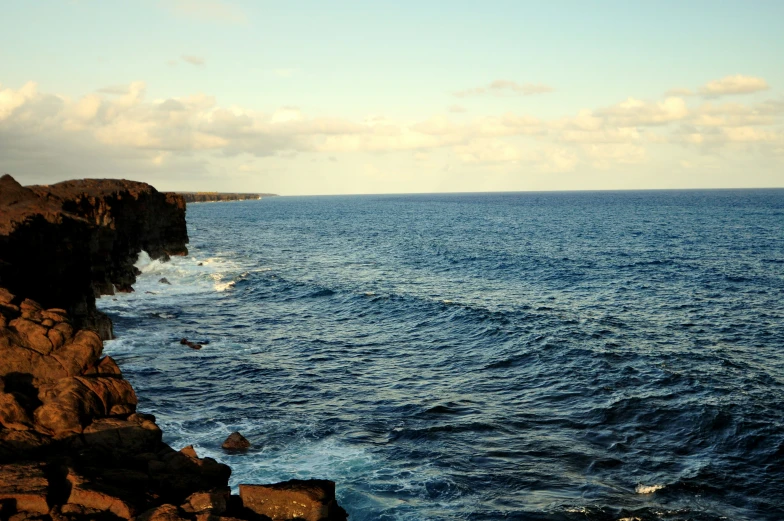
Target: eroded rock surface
(74,448)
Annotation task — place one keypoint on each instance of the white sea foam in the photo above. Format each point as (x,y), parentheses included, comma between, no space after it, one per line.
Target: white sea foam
(648,489)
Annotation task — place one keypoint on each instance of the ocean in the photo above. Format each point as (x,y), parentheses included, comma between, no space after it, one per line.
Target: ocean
(517,356)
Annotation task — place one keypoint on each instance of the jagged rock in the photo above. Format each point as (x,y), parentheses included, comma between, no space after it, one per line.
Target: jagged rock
(115,438)
(12,414)
(213,501)
(23,487)
(164,280)
(236,441)
(70,403)
(162,513)
(15,445)
(301,500)
(90,496)
(192,345)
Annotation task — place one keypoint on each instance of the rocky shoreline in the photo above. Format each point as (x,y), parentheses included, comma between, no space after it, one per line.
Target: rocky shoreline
(72,444)
(209,197)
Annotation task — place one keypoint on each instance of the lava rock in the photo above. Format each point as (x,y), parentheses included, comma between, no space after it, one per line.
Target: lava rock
(236,441)
(305,500)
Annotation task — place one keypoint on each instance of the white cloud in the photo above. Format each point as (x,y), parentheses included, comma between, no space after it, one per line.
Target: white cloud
(737,84)
(119,122)
(507,87)
(488,151)
(635,113)
(193,60)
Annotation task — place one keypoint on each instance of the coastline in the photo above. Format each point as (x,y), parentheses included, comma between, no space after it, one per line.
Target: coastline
(72,444)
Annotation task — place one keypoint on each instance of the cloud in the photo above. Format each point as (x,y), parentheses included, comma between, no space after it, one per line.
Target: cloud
(193,60)
(456,109)
(634,112)
(120,123)
(488,151)
(737,84)
(206,10)
(499,87)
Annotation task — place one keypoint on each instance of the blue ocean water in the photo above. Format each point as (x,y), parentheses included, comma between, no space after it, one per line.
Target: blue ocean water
(532,356)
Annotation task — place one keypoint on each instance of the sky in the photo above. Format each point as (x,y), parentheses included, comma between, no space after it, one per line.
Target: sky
(305,97)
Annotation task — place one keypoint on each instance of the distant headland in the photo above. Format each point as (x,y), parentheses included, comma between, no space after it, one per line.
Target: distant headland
(208,197)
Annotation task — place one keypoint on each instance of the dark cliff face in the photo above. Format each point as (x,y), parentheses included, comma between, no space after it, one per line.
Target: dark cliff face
(63,245)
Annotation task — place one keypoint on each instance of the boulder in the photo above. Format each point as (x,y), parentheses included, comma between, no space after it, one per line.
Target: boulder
(15,445)
(12,414)
(301,500)
(74,402)
(118,439)
(213,501)
(23,487)
(91,496)
(236,441)
(162,513)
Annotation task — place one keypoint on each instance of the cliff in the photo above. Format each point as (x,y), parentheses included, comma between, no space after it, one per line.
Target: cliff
(207,197)
(73,447)
(63,245)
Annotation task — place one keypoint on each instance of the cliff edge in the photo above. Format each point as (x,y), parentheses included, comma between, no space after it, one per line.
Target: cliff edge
(64,244)
(73,447)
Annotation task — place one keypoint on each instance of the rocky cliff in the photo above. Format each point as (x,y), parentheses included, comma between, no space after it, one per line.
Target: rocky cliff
(73,447)
(64,244)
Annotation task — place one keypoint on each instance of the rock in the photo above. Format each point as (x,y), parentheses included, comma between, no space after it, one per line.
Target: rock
(164,280)
(192,345)
(16,445)
(236,441)
(161,513)
(66,243)
(33,335)
(121,440)
(301,500)
(73,402)
(12,414)
(189,451)
(23,487)
(213,501)
(91,496)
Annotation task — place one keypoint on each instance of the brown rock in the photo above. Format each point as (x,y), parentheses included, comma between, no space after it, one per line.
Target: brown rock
(5,296)
(236,441)
(118,439)
(301,500)
(81,353)
(214,502)
(12,414)
(31,310)
(56,337)
(189,451)
(19,444)
(73,402)
(24,487)
(161,513)
(55,314)
(89,495)
(33,335)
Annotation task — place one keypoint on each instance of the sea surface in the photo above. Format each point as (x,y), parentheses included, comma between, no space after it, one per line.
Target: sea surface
(518,356)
